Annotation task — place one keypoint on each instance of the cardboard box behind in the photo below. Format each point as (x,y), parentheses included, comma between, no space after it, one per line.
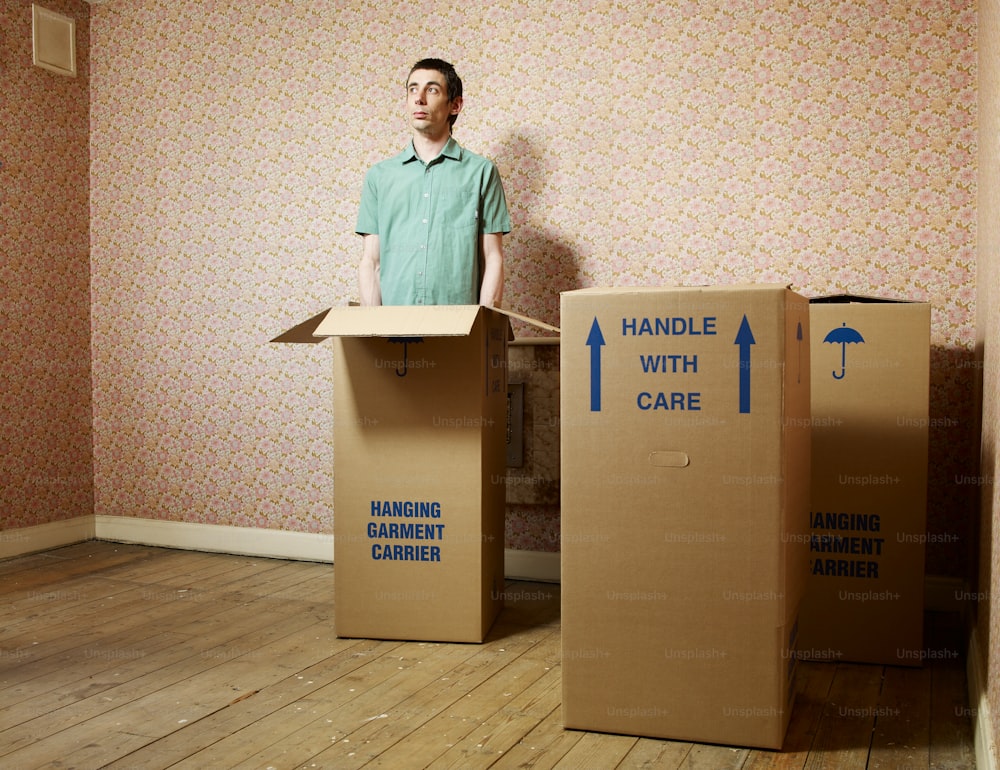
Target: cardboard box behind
(685,482)
(870,387)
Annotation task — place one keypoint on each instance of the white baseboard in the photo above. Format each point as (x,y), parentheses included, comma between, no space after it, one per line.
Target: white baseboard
(280,544)
(245,541)
(941,593)
(541,566)
(44,537)
(982,717)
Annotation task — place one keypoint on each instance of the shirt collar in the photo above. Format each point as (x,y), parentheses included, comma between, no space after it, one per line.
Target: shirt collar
(452,150)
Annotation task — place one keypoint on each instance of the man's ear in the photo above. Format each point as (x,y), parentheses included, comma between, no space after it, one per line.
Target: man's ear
(456,105)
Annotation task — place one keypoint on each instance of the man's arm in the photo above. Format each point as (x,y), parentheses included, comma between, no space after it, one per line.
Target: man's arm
(491,292)
(368,271)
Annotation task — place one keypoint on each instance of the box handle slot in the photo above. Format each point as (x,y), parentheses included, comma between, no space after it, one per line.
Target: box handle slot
(669,459)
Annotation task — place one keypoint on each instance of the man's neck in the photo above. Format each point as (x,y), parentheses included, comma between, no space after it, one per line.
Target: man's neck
(428,148)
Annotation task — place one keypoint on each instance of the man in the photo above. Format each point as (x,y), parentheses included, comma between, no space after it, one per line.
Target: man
(433,217)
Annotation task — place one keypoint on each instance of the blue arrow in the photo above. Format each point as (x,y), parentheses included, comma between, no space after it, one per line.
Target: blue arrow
(744,338)
(595,341)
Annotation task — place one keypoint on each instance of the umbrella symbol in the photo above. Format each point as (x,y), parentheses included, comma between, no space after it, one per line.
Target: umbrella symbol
(842,336)
(405,342)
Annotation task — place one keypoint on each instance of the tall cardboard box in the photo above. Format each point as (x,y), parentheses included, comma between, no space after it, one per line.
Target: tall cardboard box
(419,470)
(685,488)
(870,386)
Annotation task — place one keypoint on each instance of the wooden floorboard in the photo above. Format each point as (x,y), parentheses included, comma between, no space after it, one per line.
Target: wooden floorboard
(127,657)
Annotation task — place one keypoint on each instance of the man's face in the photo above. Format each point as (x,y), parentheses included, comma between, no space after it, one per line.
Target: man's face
(427,104)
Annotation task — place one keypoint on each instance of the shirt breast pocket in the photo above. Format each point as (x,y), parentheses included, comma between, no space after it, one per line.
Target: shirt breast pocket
(459,208)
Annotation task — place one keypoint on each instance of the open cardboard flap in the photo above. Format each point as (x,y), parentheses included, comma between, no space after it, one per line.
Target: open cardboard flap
(303,333)
(394,321)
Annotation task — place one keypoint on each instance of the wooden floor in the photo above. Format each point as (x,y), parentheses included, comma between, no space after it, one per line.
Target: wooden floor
(124,656)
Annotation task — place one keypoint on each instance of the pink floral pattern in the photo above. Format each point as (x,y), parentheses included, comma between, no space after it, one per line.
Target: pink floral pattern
(829,145)
(832,146)
(46,470)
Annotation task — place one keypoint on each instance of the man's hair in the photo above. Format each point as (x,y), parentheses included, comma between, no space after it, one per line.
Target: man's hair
(452,82)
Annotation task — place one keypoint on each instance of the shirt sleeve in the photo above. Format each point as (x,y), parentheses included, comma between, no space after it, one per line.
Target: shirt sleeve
(495,216)
(368,210)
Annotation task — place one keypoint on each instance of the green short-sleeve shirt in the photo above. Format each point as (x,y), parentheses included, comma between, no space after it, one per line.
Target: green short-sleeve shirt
(428,218)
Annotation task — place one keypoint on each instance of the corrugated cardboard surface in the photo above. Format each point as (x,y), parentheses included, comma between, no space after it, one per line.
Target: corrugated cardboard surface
(419,442)
(864,600)
(685,478)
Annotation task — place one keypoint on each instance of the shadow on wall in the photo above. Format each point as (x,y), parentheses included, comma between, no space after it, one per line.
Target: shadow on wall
(955,483)
(540,263)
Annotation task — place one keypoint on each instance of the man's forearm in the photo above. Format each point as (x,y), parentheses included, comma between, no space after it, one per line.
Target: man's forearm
(491,291)
(368,272)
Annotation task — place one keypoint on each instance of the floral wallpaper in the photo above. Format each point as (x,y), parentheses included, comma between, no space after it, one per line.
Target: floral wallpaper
(45,387)
(831,145)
